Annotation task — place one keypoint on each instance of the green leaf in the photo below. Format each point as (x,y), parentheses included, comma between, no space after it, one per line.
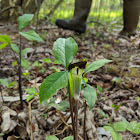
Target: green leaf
(56,62)
(116,136)
(96,65)
(31,35)
(24,20)
(109,128)
(53,83)
(28,98)
(14,47)
(31,90)
(90,96)
(62,106)
(12,84)
(64,50)
(25,63)
(15,63)
(69,138)
(5,82)
(3,45)
(134,127)
(25,51)
(119,126)
(5,39)
(52,138)
(47,60)
(1,134)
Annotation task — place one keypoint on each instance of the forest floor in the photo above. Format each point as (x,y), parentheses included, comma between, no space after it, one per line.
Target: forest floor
(120,81)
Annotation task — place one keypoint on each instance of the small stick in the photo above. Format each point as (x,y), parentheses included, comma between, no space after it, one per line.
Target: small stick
(84,127)
(20,79)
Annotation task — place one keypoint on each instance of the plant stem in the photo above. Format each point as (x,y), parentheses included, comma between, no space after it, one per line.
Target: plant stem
(84,127)
(76,118)
(71,110)
(20,79)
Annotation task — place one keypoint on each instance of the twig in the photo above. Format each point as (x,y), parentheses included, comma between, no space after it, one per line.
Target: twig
(55,7)
(62,118)
(1,96)
(20,79)
(6,8)
(30,117)
(61,131)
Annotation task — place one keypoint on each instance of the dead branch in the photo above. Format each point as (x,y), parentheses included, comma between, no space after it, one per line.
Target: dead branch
(7,8)
(55,7)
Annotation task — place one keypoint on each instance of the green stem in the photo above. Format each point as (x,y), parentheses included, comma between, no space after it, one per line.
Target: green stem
(84,127)
(71,110)
(76,118)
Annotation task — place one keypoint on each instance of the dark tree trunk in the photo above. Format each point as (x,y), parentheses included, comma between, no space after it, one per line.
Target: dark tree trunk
(5,14)
(131,11)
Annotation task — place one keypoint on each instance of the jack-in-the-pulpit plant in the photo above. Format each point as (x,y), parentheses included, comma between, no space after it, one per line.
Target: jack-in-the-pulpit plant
(64,51)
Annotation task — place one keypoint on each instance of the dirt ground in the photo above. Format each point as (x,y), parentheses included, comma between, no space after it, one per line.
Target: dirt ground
(43,120)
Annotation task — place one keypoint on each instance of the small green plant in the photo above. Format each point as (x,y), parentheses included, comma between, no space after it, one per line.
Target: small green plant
(116,80)
(32,92)
(31,35)
(116,107)
(122,126)
(55,138)
(73,77)
(102,114)
(99,88)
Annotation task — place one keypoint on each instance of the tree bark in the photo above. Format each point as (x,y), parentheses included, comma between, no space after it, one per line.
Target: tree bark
(131,11)
(5,14)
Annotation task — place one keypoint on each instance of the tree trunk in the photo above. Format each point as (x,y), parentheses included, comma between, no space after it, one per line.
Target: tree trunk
(5,14)
(131,11)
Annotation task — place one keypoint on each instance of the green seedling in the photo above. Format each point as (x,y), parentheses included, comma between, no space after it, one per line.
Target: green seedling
(32,92)
(116,107)
(102,114)
(55,138)
(64,51)
(6,82)
(99,88)
(31,35)
(122,126)
(116,80)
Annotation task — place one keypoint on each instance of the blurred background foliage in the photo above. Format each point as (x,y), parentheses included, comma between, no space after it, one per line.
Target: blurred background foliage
(104,11)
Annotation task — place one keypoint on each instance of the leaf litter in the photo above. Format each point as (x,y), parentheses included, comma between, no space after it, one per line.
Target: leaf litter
(45,120)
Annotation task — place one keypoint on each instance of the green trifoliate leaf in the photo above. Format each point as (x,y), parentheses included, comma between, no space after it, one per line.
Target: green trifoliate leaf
(52,138)
(64,50)
(119,126)
(24,20)
(68,138)
(5,39)
(96,65)
(15,48)
(90,96)
(31,35)
(53,83)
